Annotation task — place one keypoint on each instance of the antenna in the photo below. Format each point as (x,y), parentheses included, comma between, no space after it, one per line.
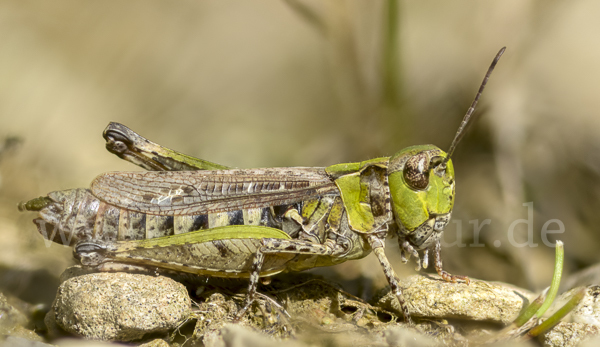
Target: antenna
(463,125)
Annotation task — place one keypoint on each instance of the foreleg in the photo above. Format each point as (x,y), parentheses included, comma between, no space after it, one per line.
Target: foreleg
(438,267)
(406,247)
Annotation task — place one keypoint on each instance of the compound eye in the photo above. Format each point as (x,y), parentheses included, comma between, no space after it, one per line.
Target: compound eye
(416,171)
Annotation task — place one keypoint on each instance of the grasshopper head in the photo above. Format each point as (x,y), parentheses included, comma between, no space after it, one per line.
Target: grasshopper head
(421,180)
(422,188)
(57,214)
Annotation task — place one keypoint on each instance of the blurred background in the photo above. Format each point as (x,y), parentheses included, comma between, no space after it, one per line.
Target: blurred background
(258,83)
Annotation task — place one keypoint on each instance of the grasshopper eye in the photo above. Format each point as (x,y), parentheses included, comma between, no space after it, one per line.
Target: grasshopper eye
(416,171)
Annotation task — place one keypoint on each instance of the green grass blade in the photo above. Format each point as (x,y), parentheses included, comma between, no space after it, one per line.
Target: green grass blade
(543,302)
(558,269)
(559,315)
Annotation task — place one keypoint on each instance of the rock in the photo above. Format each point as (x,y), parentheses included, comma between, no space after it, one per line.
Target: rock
(23,333)
(75,271)
(234,335)
(53,330)
(10,316)
(14,323)
(313,311)
(314,306)
(213,339)
(567,334)
(78,342)
(581,324)
(155,343)
(120,306)
(592,342)
(587,311)
(400,337)
(14,341)
(430,296)
(216,311)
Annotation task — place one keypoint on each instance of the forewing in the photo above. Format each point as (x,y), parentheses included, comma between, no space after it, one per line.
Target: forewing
(202,192)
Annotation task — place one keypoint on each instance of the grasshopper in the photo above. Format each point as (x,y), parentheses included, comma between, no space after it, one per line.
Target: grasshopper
(190,215)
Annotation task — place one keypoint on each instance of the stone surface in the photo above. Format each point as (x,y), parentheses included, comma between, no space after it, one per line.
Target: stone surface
(591,342)
(15,323)
(583,323)
(75,271)
(23,333)
(212,315)
(315,312)
(15,341)
(120,306)
(400,336)
(234,335)
(78,342)
(430,296)
(10,316)
(587,311)
(53,330)
(316,306)
(567,334)
(155,343)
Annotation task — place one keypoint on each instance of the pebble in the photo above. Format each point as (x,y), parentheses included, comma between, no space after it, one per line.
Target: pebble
(432,297)
(588,310)
(14,325)
(120,306)
(566,334)
(580,324)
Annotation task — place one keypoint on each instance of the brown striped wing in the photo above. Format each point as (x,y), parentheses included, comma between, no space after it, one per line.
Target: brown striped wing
(202,192)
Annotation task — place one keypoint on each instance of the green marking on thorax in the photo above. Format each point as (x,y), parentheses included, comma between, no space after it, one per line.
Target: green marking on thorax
(359,212)
(355,193)
(338,170)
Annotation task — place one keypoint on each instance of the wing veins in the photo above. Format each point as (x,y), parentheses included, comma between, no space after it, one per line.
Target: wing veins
(177,193)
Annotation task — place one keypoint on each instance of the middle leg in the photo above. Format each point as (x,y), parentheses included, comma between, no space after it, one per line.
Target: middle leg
(272,246)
